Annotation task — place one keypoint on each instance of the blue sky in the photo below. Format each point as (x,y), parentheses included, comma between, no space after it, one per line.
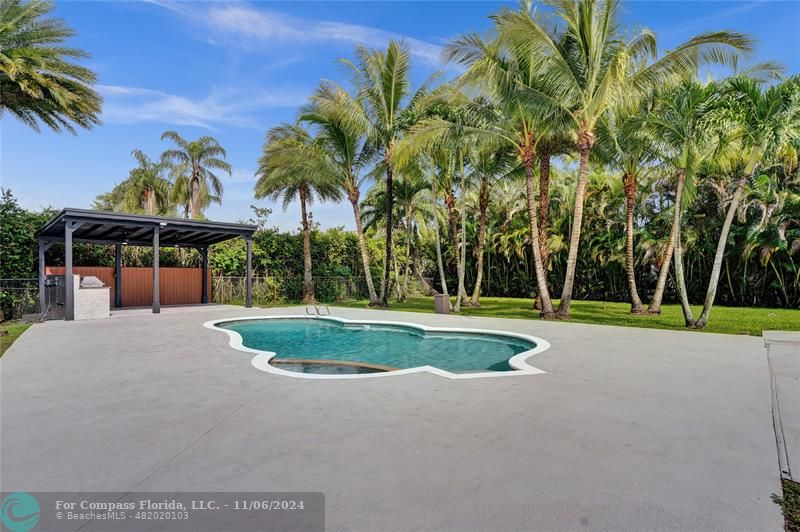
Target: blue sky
(234,69)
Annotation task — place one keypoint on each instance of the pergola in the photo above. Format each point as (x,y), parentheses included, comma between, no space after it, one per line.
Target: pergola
(119,229)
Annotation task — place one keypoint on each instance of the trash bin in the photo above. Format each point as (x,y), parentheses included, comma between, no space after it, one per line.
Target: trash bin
(442,303)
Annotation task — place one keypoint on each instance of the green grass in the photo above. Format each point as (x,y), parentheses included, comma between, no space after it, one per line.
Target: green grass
(14,331)
(790,504)
(729,320)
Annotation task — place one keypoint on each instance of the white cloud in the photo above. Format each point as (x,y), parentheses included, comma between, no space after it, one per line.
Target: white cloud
(718,15)
(231,107)
(244,25)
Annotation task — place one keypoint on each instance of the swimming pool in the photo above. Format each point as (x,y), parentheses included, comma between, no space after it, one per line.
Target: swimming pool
(333,347)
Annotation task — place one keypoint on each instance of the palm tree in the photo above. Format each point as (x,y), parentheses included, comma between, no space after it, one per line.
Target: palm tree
(769,120)
(146,190)
(288,170)
(685,127)
(412,208)
(382,103)
(590,67)
(181,194)
(774,235)
(196,161)
(437,164)
(489,166)
(39,82)
(345,155)
(507,120)
(625,147)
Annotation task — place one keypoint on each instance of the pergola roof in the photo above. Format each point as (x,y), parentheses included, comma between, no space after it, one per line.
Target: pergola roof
(100,227)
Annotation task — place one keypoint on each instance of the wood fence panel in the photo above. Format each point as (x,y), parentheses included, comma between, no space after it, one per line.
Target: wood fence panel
(179,286)
(137,287)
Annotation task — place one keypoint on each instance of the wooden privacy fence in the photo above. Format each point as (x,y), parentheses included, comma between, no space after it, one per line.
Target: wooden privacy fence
(179,286)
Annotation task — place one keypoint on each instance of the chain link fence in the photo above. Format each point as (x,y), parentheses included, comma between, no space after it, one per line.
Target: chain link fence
(279,290)
(18,297)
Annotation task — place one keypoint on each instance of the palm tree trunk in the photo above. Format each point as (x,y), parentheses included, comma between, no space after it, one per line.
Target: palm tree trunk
(462,267)
(149,201)
(483,205)
(658,295)
(585,147)
(438,240)
(362,245)
(409,234)
(308,281)
(397,285)
(194,198)
(544,207)
(452,219)
(541,279)
(716,269)
(677,255)
(417,269)
(630,197)
(389,221)
(680,282)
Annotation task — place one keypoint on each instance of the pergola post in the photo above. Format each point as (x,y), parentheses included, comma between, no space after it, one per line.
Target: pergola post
(118,275)
(42,291)
(204,294)
(69,310)
(156,287)
(248,299)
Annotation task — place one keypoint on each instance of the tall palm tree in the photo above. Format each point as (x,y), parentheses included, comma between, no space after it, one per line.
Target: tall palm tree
(500,71)
(181,194)
(593,65)
(686,130)
(146,190)
(489,166)
(288,171)
(383,102)
(39,80)
(345,155)
(197,160)
(437,163)
(413,207)
(769,120)
(624,146)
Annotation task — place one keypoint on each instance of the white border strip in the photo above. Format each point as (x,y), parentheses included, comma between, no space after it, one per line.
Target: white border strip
(262,358)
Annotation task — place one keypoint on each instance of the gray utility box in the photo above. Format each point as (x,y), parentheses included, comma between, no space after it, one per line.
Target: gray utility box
(55,292)
(442,303)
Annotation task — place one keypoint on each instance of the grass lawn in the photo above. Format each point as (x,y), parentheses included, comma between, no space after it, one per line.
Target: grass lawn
(790,504)
(730,320)
(14,330)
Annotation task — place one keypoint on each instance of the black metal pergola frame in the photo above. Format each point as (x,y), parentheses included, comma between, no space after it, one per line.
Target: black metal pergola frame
(118,229)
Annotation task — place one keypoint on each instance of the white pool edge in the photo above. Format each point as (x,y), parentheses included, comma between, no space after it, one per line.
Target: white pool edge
(261,359)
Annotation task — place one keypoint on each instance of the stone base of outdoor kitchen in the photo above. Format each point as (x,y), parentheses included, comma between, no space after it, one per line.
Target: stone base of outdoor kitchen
(90,302)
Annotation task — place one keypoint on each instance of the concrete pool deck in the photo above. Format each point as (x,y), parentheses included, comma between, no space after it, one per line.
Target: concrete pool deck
(629,429)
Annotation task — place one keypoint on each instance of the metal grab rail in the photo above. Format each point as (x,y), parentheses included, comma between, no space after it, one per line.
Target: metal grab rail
(316,307)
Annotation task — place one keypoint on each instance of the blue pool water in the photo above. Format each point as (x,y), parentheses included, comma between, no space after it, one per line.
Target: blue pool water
(387,345)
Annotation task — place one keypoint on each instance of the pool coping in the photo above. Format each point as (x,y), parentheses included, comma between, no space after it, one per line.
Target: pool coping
(261,359)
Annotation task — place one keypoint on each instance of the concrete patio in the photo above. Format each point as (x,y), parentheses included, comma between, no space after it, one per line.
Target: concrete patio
(629,429)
